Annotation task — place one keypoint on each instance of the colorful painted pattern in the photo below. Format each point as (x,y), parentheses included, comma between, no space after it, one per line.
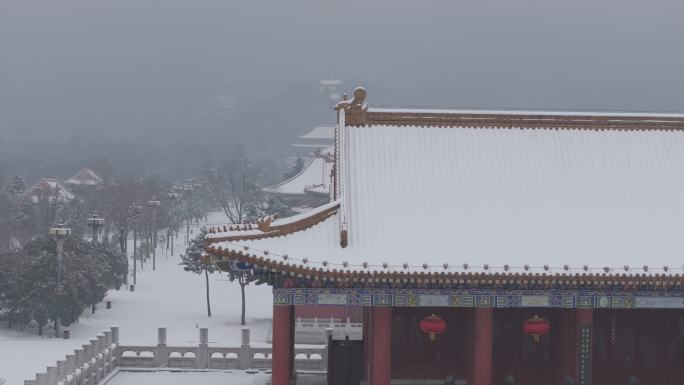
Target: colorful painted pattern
(479,298)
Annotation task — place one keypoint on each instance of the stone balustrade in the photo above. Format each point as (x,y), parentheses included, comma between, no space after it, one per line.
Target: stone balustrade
(92,363)
(87,366)
(314,330)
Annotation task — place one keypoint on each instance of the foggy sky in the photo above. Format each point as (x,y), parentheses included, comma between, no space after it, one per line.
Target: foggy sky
(125,68)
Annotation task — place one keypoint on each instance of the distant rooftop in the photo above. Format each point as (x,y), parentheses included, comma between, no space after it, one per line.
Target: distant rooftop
(326,132)
(331,82)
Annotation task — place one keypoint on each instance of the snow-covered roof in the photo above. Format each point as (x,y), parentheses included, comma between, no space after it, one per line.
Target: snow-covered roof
(315,173)
(526,113)
(271,226)
(85,176)
(49,189)
(314,146)
(320,133)
(330,150)
(331,82)
(603,191)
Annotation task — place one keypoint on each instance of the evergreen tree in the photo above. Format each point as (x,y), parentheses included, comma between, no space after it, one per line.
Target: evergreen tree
(16,187)
(29,289)
(276,205)
(297,167)
(243,275)
(194,261)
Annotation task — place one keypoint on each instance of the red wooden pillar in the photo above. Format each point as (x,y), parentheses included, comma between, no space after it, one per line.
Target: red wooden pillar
(469,348)
(380,355)
(565,345)
(482,348)
(366,343)
(283,344)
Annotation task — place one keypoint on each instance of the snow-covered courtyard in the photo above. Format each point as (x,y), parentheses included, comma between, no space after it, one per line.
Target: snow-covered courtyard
(183,378)
(168,297)
(174,377)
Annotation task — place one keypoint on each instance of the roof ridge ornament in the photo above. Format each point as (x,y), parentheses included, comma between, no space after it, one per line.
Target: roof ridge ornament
(355,109)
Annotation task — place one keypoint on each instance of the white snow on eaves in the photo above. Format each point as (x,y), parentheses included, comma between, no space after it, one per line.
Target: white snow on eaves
(320,132)
(316,172)
(277,222)
(526,112)
(438,195)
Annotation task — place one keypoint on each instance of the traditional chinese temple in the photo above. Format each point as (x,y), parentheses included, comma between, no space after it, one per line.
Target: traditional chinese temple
(541,246)
(310,187)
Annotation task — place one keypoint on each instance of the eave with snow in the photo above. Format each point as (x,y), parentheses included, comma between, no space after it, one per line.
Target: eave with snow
(310,187)
(48,190)
(481,209)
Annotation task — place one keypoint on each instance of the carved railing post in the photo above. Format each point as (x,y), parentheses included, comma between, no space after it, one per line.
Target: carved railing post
(202,357)
(41,378)
(61,370)
(328,341)
(115,346)
(115,334)
(245,356)
(52,374)
(71,364)
(80,357)
(161,353)
(97,353)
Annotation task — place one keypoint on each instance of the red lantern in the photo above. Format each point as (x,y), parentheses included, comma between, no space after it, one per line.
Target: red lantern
(536,327)
(433,325)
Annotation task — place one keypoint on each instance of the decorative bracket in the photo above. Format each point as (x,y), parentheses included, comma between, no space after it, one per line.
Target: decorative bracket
(355,109)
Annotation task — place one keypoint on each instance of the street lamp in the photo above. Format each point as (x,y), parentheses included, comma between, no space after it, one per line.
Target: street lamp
(172,195)
(135,210)
(187,191)
(95,223)
(59,233)
(154,204)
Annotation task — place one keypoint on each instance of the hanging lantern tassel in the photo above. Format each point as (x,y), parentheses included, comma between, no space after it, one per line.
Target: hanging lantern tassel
(536,327)
(433,325)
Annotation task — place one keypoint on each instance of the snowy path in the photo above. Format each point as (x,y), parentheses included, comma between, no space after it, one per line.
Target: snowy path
(167,297)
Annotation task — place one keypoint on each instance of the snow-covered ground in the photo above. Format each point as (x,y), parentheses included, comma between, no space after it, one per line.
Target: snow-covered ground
(228,377)
(184,378)
(168,297)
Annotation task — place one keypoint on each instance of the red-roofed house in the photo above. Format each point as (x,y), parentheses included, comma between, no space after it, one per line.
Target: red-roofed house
(50,190)
(85,177)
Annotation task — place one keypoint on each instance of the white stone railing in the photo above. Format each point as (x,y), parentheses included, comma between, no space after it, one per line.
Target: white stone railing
(315,330)
(88,366)
(205,357)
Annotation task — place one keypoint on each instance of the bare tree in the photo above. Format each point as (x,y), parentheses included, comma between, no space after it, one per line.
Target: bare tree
(234,188)
(120,210)
(47,203)
(243,275)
